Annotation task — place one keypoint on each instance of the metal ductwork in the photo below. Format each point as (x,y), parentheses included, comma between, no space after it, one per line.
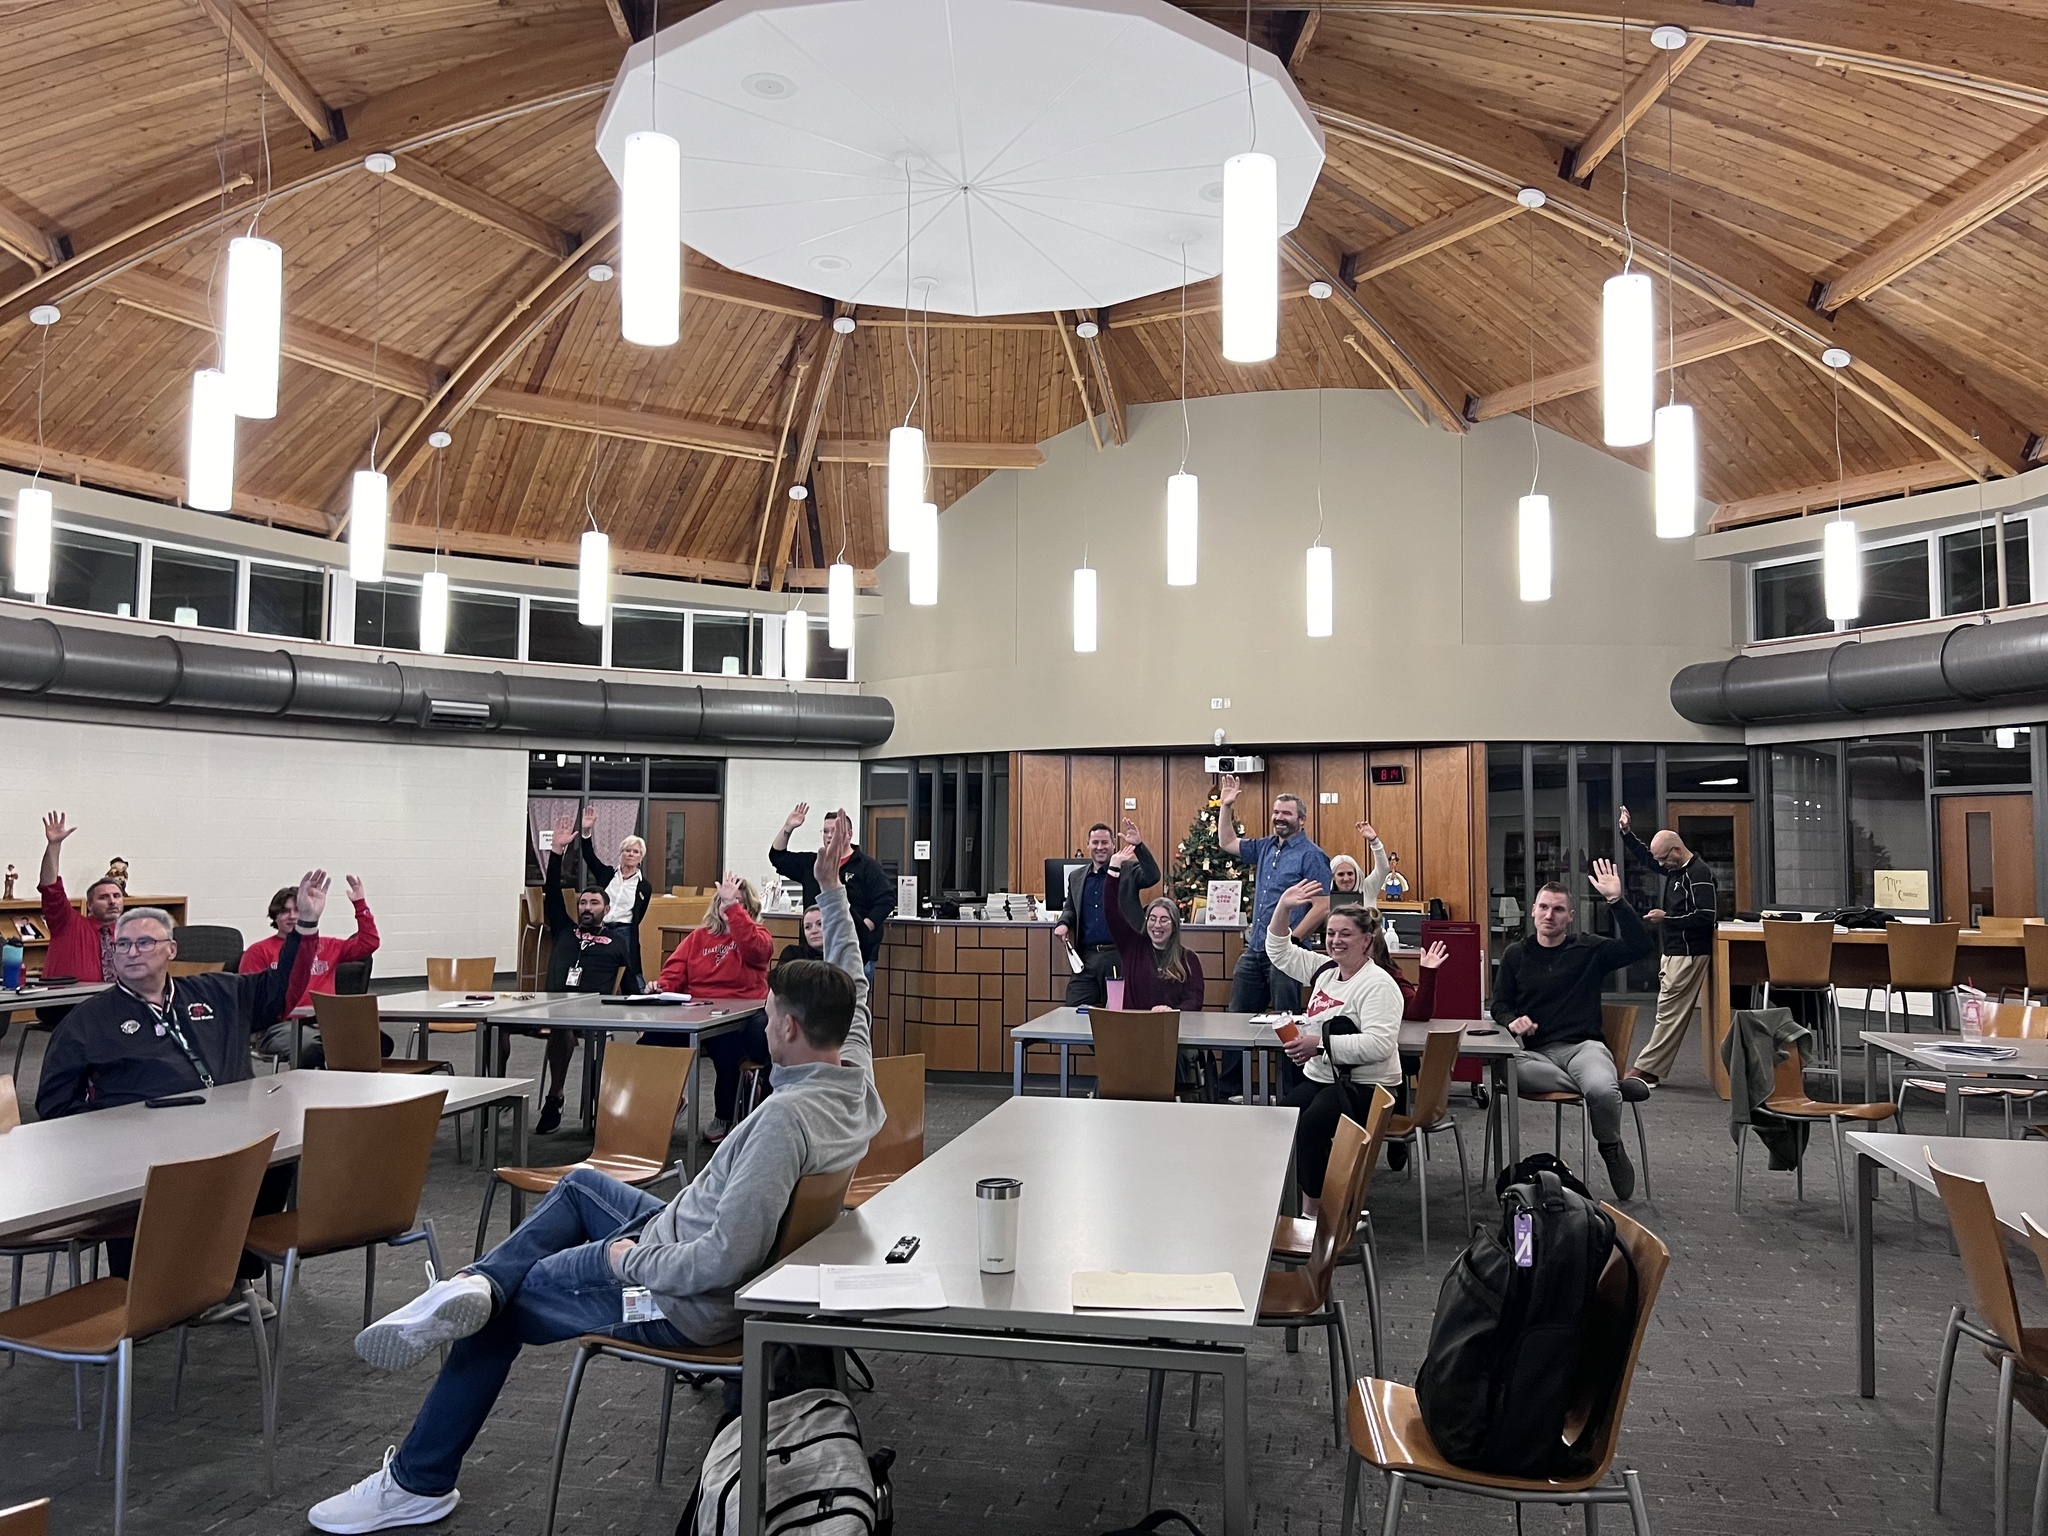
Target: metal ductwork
(99,666)
(1974,663)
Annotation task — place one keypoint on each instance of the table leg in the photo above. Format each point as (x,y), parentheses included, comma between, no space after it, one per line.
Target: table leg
(1017,1069)
(691,1083)
(1265,1077)
(1866,1280)
(1869,1062)
(755,1362)
(298,1041)
(1063,1069)
(1511,1111)
(1237,1495)
(1952,1094)
(483,1048)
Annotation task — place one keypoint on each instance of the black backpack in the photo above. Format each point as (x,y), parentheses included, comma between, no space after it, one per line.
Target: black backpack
(1514,1346)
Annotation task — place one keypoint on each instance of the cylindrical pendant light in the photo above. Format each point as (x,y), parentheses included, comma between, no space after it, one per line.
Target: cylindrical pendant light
(924,554)
(210,443)
(34,532)
(368,524)
(1676,466)
(1628,359)
(434,613)
(839,606)
(1532,543)
(255,324)
(1084,609)
(593,578)
(906,484)
(1183,522)
(651,240)
(1841,570)
(1251,258)
(796,645)
(1322,594)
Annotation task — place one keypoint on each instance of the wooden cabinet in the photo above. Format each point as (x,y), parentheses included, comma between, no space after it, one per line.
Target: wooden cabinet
(13,913)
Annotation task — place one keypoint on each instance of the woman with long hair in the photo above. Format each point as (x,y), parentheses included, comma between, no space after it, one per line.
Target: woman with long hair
(1159,971)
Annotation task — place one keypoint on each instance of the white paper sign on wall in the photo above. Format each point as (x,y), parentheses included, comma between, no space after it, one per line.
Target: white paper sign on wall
(921,849)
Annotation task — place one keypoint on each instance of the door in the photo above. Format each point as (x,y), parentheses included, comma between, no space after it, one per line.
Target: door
(1987,857)
(888,837)
(1718,831)
(682,843)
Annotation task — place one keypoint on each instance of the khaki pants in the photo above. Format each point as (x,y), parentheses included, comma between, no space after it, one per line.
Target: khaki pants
(1681,985)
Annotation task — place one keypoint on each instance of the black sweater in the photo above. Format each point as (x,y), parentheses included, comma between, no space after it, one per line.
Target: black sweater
(870,893)
(1690,908)
(1560,987)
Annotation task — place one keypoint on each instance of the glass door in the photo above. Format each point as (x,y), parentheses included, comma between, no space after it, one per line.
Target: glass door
(1718,831)
(1987,857)
(682,843)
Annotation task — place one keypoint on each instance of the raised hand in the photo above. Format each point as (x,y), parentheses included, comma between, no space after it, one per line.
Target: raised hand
(1300,894)
(1434,956)
(355,888)
(56,828)
(1121,857)
(1365,830)
(1228,788)
(729,889)
(565,833)
(832,848)
(1131,836)
(796,816)
(313,896)
(1624,818)
(1606,880)
(589,820)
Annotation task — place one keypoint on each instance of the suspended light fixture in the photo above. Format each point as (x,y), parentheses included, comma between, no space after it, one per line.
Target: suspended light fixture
(1084,609)
(593,578)
(924,554)
(1841,566)
(1251,258)
(651,240)
(796,645)
(210,443)
(1532,544)
(369,517)
(434,613)
(1322,583)
(839,606)
(34,517)
(1675,465)
(254,327)
(906,484)
(1628,359)
(1183,493)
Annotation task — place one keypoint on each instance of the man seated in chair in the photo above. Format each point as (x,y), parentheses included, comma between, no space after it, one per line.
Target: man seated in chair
(1548,995)
(328,955)
(595,1247)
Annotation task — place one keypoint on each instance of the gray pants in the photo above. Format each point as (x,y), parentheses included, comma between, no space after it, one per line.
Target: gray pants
(1583,1067)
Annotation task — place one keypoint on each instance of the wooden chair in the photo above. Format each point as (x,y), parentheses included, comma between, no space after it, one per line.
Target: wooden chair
(188,1245)
(26,1519)
(665,912)
(1294,1236)
(71,1239)
(1618,1028)
(2009,1021)
(1800,957)
(350,1029)
(814,1205)
(1135,1053)
(1386,1429)
(2002,927)
(361,1171)
(2008,1343)
(1788,1101)
(527,969)
(1922,958)
(1432,1117)
(637,1103)
(475,974)
(898,1146)
(2034,940)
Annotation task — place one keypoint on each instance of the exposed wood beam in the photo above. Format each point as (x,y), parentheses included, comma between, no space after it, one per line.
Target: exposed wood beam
(626,561)
(185,303)
(619,23)
(882,316)
(1426,237)
(1884,482)
(481,207)
(1315,256)
(707,282)
(28,239)
(812,421)
(2010,184)
(874,452)
(1105,379)
(153,484)
(1080,379)
(278,72)
(546,68)
(1373,362)
(1641,95)
(1297,51)
(795,366)
(1204,298)
(1694,346)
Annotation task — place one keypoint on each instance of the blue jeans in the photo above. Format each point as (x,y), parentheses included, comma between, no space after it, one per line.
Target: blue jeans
(553,1281)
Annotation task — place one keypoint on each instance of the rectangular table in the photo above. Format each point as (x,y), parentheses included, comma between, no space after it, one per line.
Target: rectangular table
(2015,1172)
(1108,1185)
(58,1170)
(2030,1064)
(429,1007)
(27,998)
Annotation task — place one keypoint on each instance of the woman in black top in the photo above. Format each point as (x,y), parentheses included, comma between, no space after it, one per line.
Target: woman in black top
(812,945)
(627,888)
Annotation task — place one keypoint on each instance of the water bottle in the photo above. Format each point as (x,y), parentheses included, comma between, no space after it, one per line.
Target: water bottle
(10,966)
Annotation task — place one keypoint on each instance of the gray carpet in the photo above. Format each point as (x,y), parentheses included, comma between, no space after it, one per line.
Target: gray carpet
(1744,1416)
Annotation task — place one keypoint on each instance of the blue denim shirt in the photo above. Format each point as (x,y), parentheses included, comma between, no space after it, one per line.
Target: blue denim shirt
(1276,866)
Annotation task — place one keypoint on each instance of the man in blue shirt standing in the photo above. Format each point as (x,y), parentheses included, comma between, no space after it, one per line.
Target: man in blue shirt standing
(1276,863)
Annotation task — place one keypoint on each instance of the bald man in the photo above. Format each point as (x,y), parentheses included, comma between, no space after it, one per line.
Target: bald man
(1686,921)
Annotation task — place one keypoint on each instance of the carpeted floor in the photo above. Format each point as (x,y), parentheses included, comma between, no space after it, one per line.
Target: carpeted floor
(1744,1418)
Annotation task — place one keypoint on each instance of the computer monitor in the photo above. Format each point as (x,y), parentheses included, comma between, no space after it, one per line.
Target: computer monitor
(1056,873)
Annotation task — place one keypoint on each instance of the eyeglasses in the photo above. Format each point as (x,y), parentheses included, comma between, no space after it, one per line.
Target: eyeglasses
(136,946)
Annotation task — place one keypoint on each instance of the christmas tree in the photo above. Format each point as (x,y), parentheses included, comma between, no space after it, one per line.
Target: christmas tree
(1200,858)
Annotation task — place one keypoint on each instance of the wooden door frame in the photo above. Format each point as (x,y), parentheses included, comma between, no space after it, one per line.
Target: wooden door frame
(657,833)
(1738,811)
(1940,872)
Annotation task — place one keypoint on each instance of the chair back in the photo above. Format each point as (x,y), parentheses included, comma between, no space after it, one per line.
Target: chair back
(1433,1077)
(1789,1078)
(1618,1028)
(1135,1053)
(474,974)
(352,977)
(195,967)
(638,1100)
(1652,1258)
(189,1235)
(10,1105)
(209,941)
(814,1205)
(1352,1154)
(361,1170)
(2037,1239)
(1799,955)
(1975,1225)
(31,1519)
(1922,955)
(2034,936)
(2001,927)
(348,1032)
(665,912)
(898,1146)
(2017,1021)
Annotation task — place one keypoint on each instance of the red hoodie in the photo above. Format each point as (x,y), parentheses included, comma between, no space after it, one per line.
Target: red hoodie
(328,953)
(729,964)
(74,938)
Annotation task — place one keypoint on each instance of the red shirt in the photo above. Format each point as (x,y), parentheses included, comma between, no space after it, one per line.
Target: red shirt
(74,938)
(327,954)
(729,964)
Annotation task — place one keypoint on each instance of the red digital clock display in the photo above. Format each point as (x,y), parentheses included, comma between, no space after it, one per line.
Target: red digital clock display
(1391,773)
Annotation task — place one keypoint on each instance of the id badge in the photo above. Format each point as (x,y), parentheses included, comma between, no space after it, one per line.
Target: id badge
(575,977)
(639,1305)
(1525,1240)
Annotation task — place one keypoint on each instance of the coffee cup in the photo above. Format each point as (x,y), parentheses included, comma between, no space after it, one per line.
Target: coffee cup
(997,1202)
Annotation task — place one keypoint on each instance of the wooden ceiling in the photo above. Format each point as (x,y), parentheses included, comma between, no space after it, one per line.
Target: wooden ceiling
(1853,173)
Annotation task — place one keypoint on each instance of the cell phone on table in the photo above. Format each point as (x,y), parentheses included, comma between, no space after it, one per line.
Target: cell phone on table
(174,1101)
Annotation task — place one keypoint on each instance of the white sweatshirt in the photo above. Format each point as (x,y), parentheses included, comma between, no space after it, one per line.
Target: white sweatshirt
(1370,999)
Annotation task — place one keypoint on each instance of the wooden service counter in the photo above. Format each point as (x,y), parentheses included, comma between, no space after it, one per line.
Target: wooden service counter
(1987,961)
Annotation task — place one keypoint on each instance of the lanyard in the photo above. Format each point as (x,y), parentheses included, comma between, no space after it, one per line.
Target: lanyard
(171,1022)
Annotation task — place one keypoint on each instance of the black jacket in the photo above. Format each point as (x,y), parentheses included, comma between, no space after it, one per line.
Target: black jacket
(596,957)
(1560,987)
(603,873)
(869,891)
(1131,891)
(116,1049)
(1691,910)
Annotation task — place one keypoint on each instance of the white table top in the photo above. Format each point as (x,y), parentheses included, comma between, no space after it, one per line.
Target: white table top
(1219,1031)
(55,1170)
(589,1010)
(1108,1185)
(2016,1172)
(49,997)
(2031,1060)
(448,1007)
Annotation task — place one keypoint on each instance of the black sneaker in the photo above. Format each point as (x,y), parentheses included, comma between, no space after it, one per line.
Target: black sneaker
(550,1119)
(1397,1155)
(1621,1172)
(1636,1089)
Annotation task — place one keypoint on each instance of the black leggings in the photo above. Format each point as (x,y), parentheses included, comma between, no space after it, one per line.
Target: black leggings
(1321,1106)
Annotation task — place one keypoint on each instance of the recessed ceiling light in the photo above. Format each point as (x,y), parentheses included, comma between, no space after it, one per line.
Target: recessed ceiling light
(1087,330)
(844,325)
(1213,193)
(1669,38)
(600,273)
(769,87)
(45,314)
(1531,197)
(1835,357)
(380,163)
(830,263)
(798,493)
(1319,289)
(438,439)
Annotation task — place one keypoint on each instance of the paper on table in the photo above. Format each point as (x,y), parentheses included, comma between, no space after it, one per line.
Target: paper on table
(1130,1291)
(877,1287)
(792,1282)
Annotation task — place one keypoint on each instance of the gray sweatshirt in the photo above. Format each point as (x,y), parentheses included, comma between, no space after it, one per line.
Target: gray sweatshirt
(719,1232)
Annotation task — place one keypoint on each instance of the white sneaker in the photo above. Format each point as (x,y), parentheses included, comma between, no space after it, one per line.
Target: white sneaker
(377,1503)
(444,1312)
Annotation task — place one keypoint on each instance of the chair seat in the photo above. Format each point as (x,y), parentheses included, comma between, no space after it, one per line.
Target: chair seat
(87,1319)
(727,1354)
(1294,1236)
(451,1026)
(1551,1097)
(407,1065)
(1929,1085)
(1385,1425)
(271,1237)
(627,1170)
(1288,1293)
(88,1231)
(1818,1109)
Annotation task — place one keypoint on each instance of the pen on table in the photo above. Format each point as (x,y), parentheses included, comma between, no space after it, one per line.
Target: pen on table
(273,1088)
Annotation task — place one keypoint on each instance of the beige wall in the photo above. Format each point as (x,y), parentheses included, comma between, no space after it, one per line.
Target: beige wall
(1431,643)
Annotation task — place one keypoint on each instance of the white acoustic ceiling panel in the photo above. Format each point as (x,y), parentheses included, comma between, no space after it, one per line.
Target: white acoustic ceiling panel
(1032,154)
